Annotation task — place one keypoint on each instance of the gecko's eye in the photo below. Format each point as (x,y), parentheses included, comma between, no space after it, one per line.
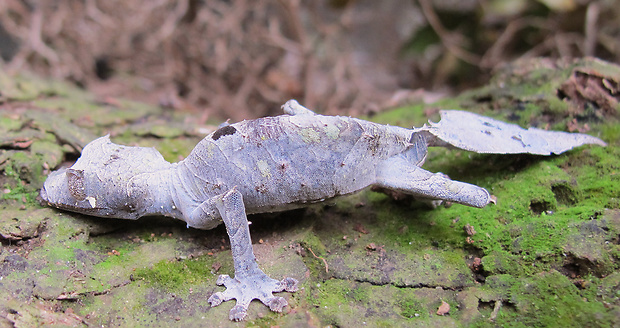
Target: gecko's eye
(75,180)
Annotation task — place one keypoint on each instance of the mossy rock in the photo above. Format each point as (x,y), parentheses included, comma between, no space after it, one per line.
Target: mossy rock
(547,253)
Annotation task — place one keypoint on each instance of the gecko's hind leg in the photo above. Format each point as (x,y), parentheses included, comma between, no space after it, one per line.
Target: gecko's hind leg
(250,282)
(398,174)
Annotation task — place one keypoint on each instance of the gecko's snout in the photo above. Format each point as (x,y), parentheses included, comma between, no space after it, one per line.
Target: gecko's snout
(51,190)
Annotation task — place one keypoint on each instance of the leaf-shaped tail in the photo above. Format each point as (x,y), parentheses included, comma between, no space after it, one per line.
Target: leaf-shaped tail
(482,134)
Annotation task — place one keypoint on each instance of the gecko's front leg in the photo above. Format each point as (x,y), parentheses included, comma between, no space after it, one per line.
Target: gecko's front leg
(250,282)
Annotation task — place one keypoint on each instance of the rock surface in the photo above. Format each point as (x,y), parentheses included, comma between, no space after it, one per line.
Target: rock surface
(547,253)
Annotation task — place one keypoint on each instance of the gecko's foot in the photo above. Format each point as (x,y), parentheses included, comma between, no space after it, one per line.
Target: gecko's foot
(255,286)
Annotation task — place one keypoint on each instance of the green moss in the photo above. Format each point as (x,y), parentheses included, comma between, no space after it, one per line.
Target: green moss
(173,150)
(175,275)
(329,296)
(311,241)
(50,153)
(122,255)
(27,167)
(544,300)
(68,106)
(411,307)
(315,250)
(610,132)
(24,169)
(62,255)
(498,262)
(608,288)
(346,303)
(359,294)
(500,284)
(404,116)
(9,123)
(16,189)
(266,322)
(533,210)
(24,86)
(125,307)
(596,171)
(550,299)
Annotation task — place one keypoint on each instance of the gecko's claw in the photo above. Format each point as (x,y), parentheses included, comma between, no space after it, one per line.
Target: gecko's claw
(247,288)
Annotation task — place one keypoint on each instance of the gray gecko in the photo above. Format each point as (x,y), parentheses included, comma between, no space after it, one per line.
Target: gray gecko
(280,163)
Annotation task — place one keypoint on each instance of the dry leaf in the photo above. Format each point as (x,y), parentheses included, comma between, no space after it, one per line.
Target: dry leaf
(444,308)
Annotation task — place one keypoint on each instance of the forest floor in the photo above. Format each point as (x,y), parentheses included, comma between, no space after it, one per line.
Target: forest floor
(547,253)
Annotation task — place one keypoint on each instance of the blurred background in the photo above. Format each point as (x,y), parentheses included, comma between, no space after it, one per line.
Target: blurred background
(241,59)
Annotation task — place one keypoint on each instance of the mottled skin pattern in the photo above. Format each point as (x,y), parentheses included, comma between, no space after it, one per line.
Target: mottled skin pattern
(278,163)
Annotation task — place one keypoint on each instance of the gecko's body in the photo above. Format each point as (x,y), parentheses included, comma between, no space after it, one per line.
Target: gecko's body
(282,162)
(278,163)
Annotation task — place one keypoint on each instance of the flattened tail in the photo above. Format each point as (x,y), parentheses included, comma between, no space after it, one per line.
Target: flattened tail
(481,134)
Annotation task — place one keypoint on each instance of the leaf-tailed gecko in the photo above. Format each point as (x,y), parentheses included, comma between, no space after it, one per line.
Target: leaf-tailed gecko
(279,163)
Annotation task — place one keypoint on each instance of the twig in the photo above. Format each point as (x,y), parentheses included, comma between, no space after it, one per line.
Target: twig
(36,42)
(444,35)
(590,32)
(494,54)
(539,49)
(318,257)
(498,305)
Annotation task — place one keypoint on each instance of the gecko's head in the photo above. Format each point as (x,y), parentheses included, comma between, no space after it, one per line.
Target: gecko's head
(107,181)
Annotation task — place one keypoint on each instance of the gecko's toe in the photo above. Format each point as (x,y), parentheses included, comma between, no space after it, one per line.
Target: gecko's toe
(237,313)
(222,279)
(288,284)
(255,286)
(276,304)
(216,299)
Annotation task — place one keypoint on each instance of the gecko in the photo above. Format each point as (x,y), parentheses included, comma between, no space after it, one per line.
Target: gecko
(280,163)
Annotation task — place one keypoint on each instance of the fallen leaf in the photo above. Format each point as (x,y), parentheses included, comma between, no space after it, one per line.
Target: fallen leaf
(22,144)
(360,228)
(444,308)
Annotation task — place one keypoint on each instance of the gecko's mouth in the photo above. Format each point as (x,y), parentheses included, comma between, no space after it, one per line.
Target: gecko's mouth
(54,195)
(84,207)
(52,187)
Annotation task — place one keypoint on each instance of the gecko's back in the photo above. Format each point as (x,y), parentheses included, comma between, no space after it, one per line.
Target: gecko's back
(280,162)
